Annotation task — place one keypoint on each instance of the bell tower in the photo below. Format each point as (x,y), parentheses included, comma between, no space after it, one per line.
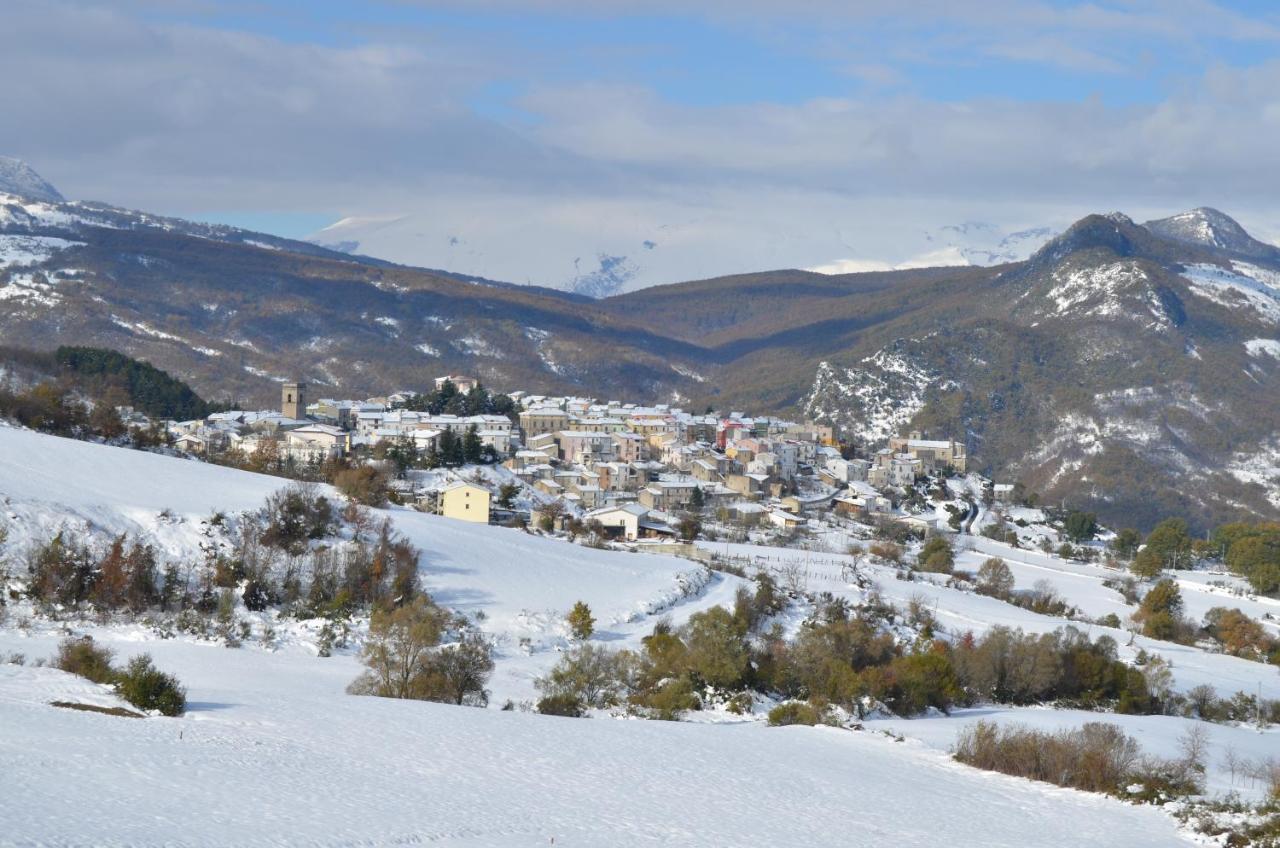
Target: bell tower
(293,401)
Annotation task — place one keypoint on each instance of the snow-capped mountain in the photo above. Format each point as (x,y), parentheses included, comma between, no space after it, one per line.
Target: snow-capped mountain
(1116,356)
(980,243)
(19,178)
(1211,228)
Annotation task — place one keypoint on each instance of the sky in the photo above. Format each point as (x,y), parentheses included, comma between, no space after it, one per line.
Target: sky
(580,142)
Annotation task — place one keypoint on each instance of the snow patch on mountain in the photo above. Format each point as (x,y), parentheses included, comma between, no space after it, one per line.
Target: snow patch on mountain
(475,345)
(1261,466)
(685,371)
(1116,290)
(1263,347)
(30,289)
(266,375)
(145,329)
(20,250)
(1247,286)
(877,398)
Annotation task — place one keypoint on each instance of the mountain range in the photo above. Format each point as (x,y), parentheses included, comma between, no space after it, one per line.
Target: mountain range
(1127,368)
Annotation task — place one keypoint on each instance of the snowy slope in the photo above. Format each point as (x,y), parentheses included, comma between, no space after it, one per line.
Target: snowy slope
(273,753)
(517,586)
(17,177)
(959,611)
(1158,735)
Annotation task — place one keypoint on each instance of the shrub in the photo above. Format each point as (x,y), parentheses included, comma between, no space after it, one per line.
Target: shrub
(365,485)
(1096,757)
(718,652)
(81,656)
(911,684)
(1238,634)
(295,514)
(456,674)
(581,623)
(1147,564)
(671,699)
(937,556)
(1160,612)
(148,688)
(1080,526)
(561,705)
(403,661)
(61,571)
(796,712)
(257,595)
(995,578)
(591,675)
(398,648)
(887,551)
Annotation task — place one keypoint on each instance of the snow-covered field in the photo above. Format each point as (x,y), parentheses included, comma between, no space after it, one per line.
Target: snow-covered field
(1078,583)
(516,586)
(274,752)
(1227,747)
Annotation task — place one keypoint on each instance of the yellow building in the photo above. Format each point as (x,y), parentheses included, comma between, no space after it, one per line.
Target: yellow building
(466,502)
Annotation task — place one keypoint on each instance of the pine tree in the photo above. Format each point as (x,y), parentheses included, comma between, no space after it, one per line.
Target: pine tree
(472,448)
(581,623)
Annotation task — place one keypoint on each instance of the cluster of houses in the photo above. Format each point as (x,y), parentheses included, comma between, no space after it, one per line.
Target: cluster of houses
(630,469)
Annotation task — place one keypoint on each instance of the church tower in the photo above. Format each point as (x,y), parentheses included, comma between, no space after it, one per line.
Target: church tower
(293,401)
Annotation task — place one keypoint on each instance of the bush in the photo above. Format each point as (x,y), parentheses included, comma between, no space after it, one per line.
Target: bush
(294,515)
(364,485)
(912,684)
(887,551)
(937,556)
(561,705)
(1080,526)
(718,653)
(581,623)
(398,649)
(81,656)
(148,688)
(995,578)
(1096,757)
(456,674)
(593,676)
(403,661)
(671,699)
(61,571)
(796,712)
(1160,612)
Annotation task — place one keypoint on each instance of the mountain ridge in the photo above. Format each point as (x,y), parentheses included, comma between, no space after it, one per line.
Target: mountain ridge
(1120,366)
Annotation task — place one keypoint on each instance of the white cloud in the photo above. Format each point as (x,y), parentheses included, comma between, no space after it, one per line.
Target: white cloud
(179,117)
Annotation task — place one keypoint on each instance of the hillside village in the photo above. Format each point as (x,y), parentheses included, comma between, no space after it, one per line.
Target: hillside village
(627,470)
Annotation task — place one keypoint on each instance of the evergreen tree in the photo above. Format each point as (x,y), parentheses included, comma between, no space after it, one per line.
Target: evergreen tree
(581,622)
(472,448)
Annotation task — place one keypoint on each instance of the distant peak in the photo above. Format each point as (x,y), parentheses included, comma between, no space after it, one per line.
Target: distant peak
(1114,232)
(1211,228)
(19,178)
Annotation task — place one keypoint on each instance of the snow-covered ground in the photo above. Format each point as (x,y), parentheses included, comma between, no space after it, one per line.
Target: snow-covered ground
(1228,752)
(516,586)
(273,752)
(1080,584)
